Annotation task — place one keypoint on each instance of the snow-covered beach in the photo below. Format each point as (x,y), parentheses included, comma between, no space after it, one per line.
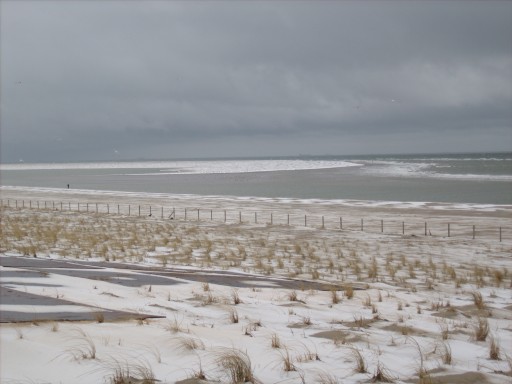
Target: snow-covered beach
(265,192)
(290,303)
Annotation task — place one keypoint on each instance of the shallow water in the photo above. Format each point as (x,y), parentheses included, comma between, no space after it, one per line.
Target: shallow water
(477,178)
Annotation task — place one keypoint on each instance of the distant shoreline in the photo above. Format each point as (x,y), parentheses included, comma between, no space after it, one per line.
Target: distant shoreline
(250,158)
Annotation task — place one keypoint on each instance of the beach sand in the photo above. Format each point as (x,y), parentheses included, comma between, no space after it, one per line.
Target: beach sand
(303,290)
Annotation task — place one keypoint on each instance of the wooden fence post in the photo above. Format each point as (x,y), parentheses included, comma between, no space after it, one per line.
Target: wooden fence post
(197,214)
(255,217)
(211,214)
(425,228)
(162,214)
(271,218)
(448,229)
(305,220)
(288,219)
(225,216)
(403,227)
(382,226)
(341,222)
(500,234)
(362,225)
(473,232)
(323,223)
(185,214)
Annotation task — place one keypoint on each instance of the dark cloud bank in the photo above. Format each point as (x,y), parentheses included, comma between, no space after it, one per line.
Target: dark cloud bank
(96,80)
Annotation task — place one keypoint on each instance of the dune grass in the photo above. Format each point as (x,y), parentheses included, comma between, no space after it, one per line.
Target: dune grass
(235,364)
(412,280)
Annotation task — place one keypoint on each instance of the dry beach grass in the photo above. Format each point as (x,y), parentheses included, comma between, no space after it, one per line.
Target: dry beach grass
(440,305)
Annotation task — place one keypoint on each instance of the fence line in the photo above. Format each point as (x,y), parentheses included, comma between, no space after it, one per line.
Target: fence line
(271,217)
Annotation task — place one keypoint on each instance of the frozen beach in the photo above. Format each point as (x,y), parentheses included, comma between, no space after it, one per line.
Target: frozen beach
(265,192)
(184,299)
(476,178)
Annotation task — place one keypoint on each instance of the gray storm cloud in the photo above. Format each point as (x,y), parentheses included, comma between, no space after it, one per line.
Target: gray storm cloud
(164,79)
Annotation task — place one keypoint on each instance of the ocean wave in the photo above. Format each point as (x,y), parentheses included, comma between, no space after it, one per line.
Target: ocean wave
(471,176)
(447,159)
(405,169)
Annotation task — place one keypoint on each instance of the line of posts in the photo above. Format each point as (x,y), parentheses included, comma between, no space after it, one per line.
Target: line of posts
(172,216)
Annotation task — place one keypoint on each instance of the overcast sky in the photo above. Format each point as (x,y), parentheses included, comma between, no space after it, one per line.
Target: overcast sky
(99,80)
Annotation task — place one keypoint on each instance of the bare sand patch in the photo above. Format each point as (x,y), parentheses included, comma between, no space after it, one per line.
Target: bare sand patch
(339,337)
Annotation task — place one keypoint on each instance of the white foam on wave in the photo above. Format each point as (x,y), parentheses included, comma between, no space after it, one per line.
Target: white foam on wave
(193,167)
(406,169)
(471,176)
(451,159)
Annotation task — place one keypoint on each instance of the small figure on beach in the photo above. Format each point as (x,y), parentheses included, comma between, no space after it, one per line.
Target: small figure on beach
(68,186)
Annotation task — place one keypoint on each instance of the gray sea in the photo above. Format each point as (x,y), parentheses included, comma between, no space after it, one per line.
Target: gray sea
(484,178)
